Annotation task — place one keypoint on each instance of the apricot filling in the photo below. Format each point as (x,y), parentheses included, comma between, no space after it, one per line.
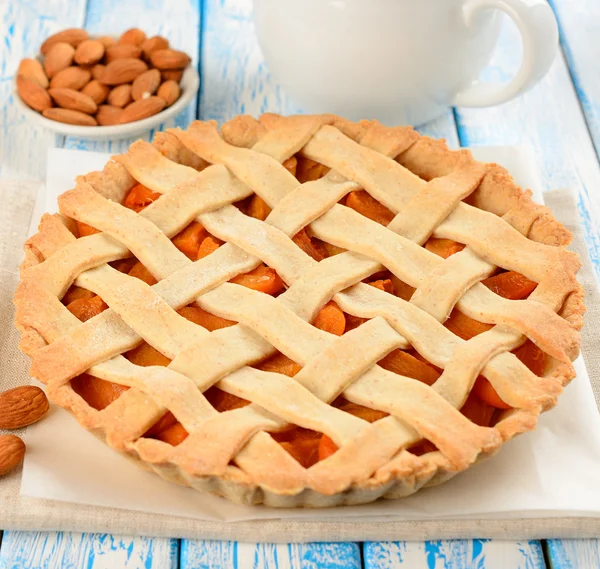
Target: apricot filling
(306,446)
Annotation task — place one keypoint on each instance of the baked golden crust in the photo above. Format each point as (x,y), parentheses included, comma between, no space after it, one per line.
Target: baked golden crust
(430,189)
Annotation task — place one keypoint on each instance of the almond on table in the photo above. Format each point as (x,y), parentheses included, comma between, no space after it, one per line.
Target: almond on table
(12,451)
(22,406)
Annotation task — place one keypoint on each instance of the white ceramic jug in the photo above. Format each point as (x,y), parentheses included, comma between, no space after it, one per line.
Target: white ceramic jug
(400,61)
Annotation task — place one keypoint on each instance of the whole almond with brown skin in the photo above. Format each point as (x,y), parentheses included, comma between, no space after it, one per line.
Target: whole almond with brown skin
(152,44)
(72,36)
(107,41)
(98,70)
(70,117)
(169,91)
(59,57)
(97,91)
(169,59)
(142,109)
(70,78)
(75,100)
(22,406)
(145,84)
(122,71)
(120,96)
(108,115)
(32,69)
(171,75)
(89,52)
(32,94)
(133,36)
(12,451)
(122,51)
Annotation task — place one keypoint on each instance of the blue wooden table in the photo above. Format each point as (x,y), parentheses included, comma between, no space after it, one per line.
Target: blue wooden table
(559,119)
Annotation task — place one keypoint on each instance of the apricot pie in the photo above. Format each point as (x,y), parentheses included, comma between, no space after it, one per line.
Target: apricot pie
(301,311)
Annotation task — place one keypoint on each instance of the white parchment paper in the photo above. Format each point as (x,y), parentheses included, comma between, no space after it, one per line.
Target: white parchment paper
(552,471)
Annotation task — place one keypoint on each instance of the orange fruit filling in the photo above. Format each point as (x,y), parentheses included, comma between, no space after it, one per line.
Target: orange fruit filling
(306,446)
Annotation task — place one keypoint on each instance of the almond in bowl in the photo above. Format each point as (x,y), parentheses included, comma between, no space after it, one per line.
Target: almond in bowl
(105,86)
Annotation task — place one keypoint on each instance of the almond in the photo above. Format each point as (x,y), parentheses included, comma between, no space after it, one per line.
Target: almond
(32,94)
(145,84)
(108,115)
(12,451)
(72,36)
(22,406)
(71,99)
(32,69)
(120,96)
(142,109)
(152,44)
(59,57)
(70,78)
(169,59)
(122,71)
(169,91)
(107,41)
(172,75)
(122,51)
(133,36)
(97,91)
(89,52)
(98,70)
(69,116)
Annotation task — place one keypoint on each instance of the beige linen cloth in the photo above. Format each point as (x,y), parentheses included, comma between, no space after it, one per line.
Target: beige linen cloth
(17,512)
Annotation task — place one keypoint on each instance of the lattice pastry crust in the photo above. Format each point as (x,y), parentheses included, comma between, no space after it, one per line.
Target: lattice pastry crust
(200,173)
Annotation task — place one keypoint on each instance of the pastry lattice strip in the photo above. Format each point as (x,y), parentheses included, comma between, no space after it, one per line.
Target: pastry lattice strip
(231,285)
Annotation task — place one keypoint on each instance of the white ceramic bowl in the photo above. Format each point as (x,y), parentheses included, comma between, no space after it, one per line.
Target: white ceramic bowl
(189,87)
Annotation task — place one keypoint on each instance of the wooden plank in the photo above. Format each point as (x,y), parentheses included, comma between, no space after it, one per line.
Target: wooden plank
(25,26)
(213,554)
(548,119)
(573,553)
(443,127)
(454,554)
(52,550)
(235,78)
(177,20)
(580,28)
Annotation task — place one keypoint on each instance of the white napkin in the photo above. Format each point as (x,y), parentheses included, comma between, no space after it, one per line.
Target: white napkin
(552,471)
